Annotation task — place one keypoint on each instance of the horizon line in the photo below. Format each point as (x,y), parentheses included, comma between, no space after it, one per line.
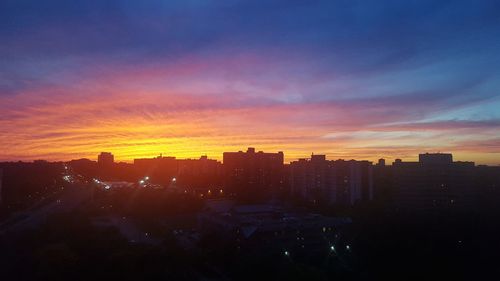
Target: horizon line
(219,159)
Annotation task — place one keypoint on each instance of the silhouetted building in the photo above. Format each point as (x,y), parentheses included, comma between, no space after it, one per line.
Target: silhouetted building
(354,181)
(313,179)
(1,180)
(434,182)
(160,169)
(435,158)
(190,174)
(487,179)
(157,161)
(200,174)
(253,175)
(105,159)
(195,167)
(338,182)
(382,183)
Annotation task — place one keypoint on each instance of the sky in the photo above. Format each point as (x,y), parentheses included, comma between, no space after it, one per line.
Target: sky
(349,79)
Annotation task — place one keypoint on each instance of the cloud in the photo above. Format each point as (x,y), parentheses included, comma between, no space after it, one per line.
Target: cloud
(347,78)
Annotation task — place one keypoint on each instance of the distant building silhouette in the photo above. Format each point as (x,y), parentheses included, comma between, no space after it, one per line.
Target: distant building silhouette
(105,159)
(382,182)
(488,186)
(161,169)
(335,182)
(197,167)
(434,182)
(354,181)
(1,181)
(253,175)
(313,179)
(435,158)
(156,161)
(202,173)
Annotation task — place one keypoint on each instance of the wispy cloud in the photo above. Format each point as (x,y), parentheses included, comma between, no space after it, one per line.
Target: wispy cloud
(344,78)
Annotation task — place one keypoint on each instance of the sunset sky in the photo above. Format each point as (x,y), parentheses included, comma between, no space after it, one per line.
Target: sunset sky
(349,79)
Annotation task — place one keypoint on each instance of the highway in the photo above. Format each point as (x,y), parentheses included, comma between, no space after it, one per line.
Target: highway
(68,198)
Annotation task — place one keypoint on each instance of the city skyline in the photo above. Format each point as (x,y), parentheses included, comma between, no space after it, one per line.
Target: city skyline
(249,140)
(386,161)
(347,79)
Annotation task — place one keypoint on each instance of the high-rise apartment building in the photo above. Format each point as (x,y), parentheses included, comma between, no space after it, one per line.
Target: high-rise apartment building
(253,174)
(336,182)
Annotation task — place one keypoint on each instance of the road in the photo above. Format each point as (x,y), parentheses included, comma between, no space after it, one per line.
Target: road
(69,198)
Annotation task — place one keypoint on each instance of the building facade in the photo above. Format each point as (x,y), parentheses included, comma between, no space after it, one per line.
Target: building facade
(434,182)
(202,173)
(105,159)
(1,180)
(333,182)
(251,174)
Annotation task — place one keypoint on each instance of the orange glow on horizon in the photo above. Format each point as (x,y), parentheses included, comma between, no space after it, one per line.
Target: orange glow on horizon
(49,123)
